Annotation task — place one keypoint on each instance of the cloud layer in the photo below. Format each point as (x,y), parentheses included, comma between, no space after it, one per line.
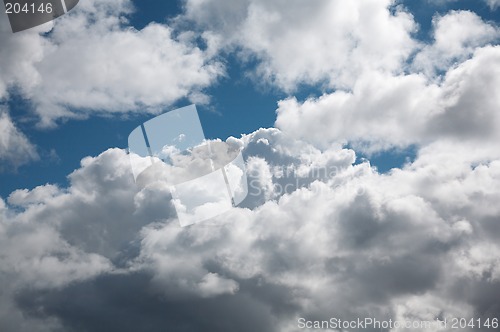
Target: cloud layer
(93,62)
(330,42)
(321,233)
(384,111)
(355,244)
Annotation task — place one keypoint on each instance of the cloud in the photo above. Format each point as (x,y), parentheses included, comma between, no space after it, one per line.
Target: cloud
(326,42)
(452,43)
(389,90)
(384,111)
(94,62)
(493,4)
(320,234)
(19,55)
(354,243)
(15,148)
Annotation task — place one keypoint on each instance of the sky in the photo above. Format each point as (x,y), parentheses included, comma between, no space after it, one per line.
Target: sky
(386,112)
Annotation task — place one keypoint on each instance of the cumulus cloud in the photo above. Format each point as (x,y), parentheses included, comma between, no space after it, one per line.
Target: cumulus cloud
(390,90)
(18,56)
(452,43)
(320,233)
(15,148)
(353,243)
(384,111)
(328,42)
(93,61)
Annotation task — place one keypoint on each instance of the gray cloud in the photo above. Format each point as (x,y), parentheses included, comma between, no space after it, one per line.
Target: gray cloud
(397,248)
(418,243)
(78,69)
(15,148)
(331,42)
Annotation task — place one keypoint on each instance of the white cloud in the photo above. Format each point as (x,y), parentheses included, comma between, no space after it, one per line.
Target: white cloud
(18,56)
(453,43)
(418,242)
(296,42)
(213,285)
(395,242)
(15,148)
(384,111)
(94,62)
(389,89)
(355,242)
(493,4)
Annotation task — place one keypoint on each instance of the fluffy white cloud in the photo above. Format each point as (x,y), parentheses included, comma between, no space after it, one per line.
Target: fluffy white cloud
(15,148)
(354,242)
(318,233)
(92,61)
(390,90)
(384,111)
(452,43)
(18,55)
(296,42)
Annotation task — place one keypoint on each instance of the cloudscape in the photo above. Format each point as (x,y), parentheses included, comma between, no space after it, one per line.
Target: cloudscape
(369,131)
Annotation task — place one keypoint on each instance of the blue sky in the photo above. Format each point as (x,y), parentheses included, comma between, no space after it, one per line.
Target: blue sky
(238,105)
(370,132)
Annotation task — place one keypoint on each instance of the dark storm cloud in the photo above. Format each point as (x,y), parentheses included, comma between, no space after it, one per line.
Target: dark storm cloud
(416,243)
(316,253)
(131,303)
